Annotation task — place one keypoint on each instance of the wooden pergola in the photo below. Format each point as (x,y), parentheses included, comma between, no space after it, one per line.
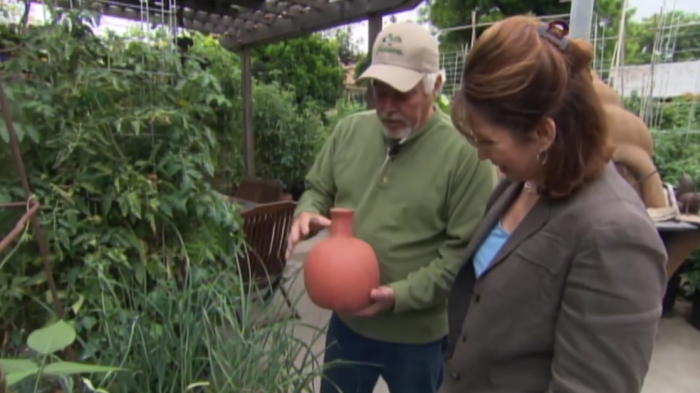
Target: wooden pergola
(243,24)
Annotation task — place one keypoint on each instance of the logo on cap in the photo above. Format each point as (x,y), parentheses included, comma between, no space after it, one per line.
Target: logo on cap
(386,45)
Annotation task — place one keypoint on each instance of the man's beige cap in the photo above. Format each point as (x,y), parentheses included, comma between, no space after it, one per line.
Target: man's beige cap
(403,54)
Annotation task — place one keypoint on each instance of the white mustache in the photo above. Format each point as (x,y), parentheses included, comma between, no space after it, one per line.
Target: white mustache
(392,118)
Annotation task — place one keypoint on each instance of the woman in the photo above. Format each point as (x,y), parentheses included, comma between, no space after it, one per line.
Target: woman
(562,288)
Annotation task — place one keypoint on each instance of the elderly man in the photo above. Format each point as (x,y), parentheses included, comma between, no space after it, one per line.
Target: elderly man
(418,191)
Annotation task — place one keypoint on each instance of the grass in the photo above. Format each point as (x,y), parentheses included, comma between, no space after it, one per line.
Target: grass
(202,336)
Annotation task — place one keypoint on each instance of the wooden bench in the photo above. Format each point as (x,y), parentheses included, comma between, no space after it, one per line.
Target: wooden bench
(266,228)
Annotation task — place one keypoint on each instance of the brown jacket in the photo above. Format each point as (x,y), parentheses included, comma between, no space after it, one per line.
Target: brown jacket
(569,305)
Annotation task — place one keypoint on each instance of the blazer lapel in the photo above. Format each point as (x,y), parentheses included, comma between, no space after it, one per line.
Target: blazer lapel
(533,221)
(490,219)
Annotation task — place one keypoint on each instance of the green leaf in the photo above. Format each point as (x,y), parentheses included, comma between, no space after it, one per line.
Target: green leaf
(6,136)
(3,133)
(52,338)
(14,378)
(196,385)
(136,126)
(11,366)
(32,133)
(88,322)
(17,370)
(92,387)
(5,197)
(78,304)
(139,272)
(69,368)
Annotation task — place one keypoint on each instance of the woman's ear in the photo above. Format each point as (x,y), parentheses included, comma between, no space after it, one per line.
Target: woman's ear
(546,134)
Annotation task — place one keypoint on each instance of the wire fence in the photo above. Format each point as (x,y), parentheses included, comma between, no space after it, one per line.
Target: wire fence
(452,63)
(663,91)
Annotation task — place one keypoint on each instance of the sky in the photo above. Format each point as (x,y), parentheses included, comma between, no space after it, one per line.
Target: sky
(649,7)
(644,8)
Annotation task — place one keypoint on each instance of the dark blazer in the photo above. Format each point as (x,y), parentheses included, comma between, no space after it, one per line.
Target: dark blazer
(571,302)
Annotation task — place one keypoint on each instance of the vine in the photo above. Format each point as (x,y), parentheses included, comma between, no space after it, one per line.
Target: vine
(118,144)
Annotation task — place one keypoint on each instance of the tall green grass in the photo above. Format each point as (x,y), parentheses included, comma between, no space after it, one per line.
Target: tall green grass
(201,336)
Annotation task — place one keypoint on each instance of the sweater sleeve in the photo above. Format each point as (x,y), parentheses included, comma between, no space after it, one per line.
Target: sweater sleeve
(320,182)
(472,184)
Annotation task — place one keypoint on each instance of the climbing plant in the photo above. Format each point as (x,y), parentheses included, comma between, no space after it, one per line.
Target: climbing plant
(118,140)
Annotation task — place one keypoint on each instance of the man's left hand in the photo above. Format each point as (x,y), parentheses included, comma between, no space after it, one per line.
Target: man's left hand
(383,300)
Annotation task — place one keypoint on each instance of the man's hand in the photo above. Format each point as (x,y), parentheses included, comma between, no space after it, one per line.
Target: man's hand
(383,298)
(302,226)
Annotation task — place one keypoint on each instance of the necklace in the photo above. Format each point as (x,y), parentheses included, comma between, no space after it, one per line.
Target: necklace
(530,187)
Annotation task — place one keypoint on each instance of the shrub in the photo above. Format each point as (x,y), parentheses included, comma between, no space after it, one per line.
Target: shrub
(120,140)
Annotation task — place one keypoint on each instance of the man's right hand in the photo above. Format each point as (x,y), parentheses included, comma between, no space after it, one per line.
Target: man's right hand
(302,227)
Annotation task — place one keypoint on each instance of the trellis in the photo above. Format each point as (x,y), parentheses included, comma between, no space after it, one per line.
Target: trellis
(242,24)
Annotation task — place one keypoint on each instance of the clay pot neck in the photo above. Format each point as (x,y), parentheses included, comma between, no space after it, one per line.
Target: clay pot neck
(341,222)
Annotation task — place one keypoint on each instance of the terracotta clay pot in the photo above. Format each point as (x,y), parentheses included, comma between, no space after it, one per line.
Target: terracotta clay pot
(341,270)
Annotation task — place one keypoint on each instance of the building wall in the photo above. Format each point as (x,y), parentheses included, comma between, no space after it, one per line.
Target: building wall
(663,80)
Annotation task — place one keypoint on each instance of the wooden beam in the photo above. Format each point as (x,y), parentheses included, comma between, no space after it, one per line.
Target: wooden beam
(205,17)
(330,15)
(192,13)
(208,6)
(254,4)
(238,27)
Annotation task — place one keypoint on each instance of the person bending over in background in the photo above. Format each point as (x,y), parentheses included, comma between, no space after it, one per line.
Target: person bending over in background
(418,191)
(562,287)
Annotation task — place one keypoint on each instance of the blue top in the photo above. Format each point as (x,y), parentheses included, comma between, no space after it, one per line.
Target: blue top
(489,248)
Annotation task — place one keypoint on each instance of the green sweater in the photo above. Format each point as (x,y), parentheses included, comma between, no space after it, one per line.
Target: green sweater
(417,211)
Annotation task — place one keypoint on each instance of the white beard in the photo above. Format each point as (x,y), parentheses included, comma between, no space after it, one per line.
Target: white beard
(404,133)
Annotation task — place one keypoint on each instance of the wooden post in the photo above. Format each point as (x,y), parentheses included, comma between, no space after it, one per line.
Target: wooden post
(374,26)
(247,92)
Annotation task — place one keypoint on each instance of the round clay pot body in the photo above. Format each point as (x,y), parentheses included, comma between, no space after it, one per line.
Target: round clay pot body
(341,270)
